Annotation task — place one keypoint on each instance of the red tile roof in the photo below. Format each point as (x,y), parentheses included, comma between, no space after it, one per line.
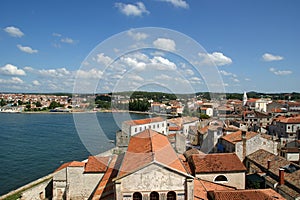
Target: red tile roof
(201,187)
(96,164)
(216,163)
(174,128)
(146,147)
(105,188)
(290,120)
(144,121)
(237,136)
(266,194)
(70,164)
(261,157)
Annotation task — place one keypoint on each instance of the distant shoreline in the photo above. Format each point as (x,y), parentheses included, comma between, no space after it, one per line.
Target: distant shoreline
(78,112)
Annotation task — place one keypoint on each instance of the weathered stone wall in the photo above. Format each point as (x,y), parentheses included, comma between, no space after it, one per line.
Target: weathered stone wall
(234,179)
(153,178)
(80,184)
(180,143)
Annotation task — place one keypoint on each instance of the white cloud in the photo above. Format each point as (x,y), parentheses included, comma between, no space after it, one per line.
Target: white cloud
(217,58)
(247,79)
(161,63)
(91,74)
(56,34)
(10,69)
(165,44)
(235,80)
(132,10)
(36,83)
(225,73)
(132,62)
(280,72)
(13,80)
(189,72)
(269,57)
(57,73)
(28,69)
(137,36)
(67,40)
(13,31)
(178,3)
(134,77)
(163,77)
(27,49)
(101,58)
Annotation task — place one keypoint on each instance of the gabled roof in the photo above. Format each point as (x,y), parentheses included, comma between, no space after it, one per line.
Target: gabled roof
(237,136)
(149,147)
(96,164)
(255,194)
(216,163)
(144,121)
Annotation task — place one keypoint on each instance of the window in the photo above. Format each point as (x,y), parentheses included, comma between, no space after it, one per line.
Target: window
(135,129)
(140,128)
(220,178)
(137,196)
(163,125)
(171,196)
(157,125)
(154,196)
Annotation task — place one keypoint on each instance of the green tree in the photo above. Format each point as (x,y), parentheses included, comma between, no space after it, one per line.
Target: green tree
(53,105)
(38,104)
(3,102)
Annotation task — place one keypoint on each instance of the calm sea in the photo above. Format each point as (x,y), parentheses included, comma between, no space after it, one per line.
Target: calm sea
(34,145)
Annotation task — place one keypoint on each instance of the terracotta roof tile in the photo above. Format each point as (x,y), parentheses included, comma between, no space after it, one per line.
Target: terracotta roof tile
(261,157)
(70,164)
(105,188)
(146,147)
(216,163)
(237,136)
(174,128)
(144,121)
(96,164)
(290,120)
(201,187)
(266,194)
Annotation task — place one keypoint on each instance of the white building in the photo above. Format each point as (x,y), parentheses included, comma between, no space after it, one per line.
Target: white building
(132,127)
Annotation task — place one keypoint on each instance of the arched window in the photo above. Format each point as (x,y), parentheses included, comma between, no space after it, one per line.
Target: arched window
(154,196)
(137,196)
(171,196)
(220,178)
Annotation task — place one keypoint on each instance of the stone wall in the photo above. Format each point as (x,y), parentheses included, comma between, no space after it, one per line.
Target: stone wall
(234,179)
(153,178)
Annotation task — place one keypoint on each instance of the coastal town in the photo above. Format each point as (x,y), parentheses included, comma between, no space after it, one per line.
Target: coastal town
(191,148)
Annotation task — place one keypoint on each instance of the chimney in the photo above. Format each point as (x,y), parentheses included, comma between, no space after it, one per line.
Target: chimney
(281,176)
(269,164)
(244,140)
(243,135)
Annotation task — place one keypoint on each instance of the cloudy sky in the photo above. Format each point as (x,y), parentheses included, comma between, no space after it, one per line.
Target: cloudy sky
(102,46)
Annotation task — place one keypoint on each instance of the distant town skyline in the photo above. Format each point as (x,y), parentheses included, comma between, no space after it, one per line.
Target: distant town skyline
(253,45)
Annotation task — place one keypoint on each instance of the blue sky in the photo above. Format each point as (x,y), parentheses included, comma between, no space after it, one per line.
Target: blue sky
(254,44)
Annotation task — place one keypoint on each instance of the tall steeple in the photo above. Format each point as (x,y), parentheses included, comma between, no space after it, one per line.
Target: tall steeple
(245,99)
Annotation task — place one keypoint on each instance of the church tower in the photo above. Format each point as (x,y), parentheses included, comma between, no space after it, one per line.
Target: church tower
(245,99)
